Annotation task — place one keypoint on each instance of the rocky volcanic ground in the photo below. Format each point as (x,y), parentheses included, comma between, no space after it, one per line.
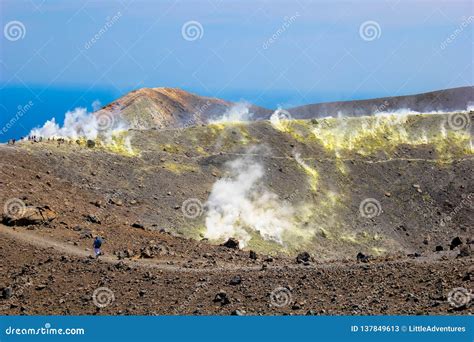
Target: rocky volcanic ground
(43,278)
(156,261)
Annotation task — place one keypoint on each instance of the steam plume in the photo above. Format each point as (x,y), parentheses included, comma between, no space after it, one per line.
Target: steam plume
(240,205)
(80,123)
(238,112)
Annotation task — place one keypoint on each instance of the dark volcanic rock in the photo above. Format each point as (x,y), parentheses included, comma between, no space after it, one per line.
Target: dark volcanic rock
(138,225)
(455,242)
(222,297)
(303,257)
(253,255)
(7,292)
(362,257)
(231,243)
(235,280)
(93,218)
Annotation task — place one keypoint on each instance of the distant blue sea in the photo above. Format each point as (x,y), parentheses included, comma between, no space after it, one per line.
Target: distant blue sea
(33,105)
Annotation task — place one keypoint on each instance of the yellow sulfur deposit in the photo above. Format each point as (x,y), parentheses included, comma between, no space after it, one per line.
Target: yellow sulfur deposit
(384,133)
(120,144)
(179,168)
(313,176)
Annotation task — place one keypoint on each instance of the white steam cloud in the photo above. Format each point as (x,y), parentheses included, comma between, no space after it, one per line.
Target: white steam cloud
(408,111)
(80,123)
(470,106)
(238,112)
(240,205)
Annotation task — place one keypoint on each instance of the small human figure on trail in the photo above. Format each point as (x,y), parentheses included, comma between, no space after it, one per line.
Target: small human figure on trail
(97,245)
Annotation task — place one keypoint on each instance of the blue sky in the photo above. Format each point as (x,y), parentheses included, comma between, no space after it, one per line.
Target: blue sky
(272,53)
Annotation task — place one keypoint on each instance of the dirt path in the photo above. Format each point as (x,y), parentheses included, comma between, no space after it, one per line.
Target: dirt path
(30,238)
(25,236)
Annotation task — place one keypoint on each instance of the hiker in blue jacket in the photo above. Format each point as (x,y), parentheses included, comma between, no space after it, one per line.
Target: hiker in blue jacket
(97,244)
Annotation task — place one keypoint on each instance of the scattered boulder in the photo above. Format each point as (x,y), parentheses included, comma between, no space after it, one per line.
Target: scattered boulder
(235,280)
(151,251)
(303,257)
(253,255)
(93,219)
(438,248)
(129,253)
(361,257)
(410,297)
(469,274)
(98,204)
(29,216)
(122,266)
(231,243)
(116,201)
(138,225)
(90,143)
(414,255)
(7,292)
(238,313)
(455,242)
(64,258)
(120,254)
(222,297)
(146,253)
